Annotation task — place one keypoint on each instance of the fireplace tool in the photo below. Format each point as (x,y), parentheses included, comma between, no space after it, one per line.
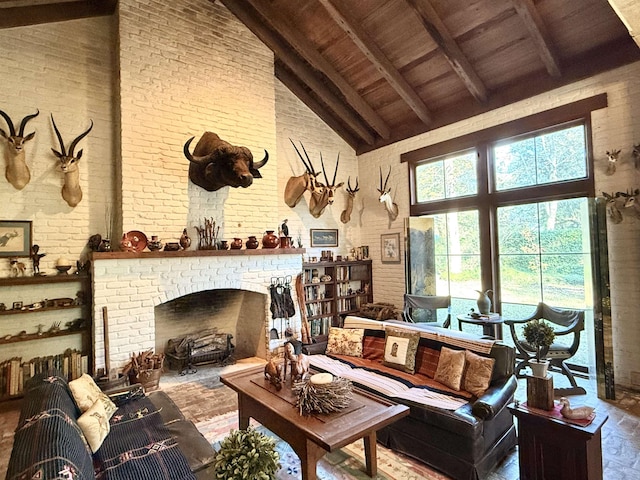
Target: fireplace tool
(282,306)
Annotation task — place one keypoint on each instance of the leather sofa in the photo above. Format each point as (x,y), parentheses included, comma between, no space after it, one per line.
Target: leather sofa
(466,443)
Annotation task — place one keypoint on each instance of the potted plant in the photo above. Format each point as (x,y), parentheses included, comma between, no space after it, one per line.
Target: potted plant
(539,335)
(247,454)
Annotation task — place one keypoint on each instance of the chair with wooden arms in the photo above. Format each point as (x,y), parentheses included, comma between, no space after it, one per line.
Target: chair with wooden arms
(422,308)
(567,324)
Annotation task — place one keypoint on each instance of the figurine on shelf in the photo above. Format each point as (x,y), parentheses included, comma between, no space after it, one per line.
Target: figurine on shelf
(35,258)
(40,327)
(575,413)
(185,240)
(55,327)
(17,268)
(284,229)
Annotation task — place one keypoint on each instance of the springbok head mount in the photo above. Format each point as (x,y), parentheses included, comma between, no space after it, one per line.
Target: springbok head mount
(345,216)
(385,197)
(612,157)
(16,171)
(68,162)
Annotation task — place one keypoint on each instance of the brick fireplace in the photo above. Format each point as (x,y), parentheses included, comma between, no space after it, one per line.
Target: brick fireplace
(131,286)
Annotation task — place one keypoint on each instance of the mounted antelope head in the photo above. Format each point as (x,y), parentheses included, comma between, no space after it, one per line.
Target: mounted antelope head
(385,197)
(345,216)
(296,186)
(16,170)
(632,201)
(326,195)
(612,157)
(636,156)
(71,191)
(613,212)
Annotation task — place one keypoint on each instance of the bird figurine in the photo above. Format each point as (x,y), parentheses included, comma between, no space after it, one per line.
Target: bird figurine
(576,413)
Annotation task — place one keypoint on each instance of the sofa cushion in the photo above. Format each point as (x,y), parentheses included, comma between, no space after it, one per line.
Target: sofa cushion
(400,349)
(477,373)
(94,424)
(345,341)
(450,367)
(86,393)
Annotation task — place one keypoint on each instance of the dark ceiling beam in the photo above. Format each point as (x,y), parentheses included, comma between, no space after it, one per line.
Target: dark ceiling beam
(538,31)
(11,17)
(366,44)
(458,61)
(281,49)
(307,51)
(293,84)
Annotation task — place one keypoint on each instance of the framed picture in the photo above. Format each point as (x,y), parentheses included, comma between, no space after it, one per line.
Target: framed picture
(324,237)
(390,247)
(15,238)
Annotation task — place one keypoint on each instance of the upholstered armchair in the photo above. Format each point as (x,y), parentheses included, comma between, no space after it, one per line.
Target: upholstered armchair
(567,325)
(422,308)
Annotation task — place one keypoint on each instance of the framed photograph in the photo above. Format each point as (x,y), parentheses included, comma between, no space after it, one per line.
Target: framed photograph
(15,238)
(324,237)
(390,247)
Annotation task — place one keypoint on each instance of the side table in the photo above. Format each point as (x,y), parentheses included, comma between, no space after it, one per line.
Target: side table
(550,448)
(491,327)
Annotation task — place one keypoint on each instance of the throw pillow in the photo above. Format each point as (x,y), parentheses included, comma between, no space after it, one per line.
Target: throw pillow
(400,349)
(477,373)
(85,392)
(450,368)
(94,423)
(345,341)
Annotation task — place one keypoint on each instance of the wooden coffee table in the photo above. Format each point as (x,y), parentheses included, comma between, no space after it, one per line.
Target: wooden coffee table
(311,436)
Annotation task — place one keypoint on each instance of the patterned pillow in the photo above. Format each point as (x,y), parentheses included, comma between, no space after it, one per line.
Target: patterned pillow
(400,349)
(86,393)
(477,373)
(345,341)
(94,423)
(450,368)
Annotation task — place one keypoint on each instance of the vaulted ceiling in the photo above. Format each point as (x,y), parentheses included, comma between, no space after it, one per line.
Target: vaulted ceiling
(378,71)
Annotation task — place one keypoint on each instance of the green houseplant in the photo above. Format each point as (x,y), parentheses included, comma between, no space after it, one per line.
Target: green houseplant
(247,454)
(539,335)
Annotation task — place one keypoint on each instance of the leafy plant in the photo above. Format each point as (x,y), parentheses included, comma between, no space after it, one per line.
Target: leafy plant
(539,335)
(247,454)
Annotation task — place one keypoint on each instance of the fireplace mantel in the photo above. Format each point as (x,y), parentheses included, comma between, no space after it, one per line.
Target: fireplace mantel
(197,253)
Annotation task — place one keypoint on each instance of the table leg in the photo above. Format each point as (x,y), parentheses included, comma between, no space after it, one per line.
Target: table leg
(371,454)
(243,418)
(309,459)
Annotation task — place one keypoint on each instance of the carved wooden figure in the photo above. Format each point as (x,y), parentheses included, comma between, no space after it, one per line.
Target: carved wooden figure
(16,169)
(273,373)
(68,161)
(345,216)
(299,364)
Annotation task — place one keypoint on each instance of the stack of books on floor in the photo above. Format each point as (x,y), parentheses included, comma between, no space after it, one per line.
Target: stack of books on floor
(14,373)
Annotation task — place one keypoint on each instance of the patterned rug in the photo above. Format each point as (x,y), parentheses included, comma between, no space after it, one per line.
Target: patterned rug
(346,463)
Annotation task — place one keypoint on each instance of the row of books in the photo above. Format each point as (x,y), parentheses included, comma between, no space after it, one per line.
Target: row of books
(322,308)
(14,373)
(320,326)
(349,304)
(313,292)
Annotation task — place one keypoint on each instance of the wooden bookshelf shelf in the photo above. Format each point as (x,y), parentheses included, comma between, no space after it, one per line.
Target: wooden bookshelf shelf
(34,336)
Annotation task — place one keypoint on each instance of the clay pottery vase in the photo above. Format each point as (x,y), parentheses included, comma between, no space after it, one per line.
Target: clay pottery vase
(252,242)
(155,244)
(270,240)
(236,244)
(185,240)
(285,242)
(125,244)
(105,245)
(224,245)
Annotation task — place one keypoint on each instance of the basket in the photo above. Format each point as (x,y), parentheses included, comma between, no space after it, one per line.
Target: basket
(149,379)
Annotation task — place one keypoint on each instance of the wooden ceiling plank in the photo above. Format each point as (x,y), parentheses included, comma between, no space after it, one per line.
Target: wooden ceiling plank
(286,54)
(306,50)
(538,31)
(366,44)
(293,84)
(11,17)
(438,31)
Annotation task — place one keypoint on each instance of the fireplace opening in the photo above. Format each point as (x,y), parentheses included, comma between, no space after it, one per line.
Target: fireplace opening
(240,313)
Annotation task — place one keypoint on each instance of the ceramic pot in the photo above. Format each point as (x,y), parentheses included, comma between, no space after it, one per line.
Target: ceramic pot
(125,244)
(252,242)
(270,240)
(224,245)
(539,369)
(285,242)
(185,240)
(484,302)
(154,244)
(236,244)
(105,245)
(172,247)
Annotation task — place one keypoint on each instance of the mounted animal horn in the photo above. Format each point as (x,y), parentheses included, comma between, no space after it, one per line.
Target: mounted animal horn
(296,186)
(16,170)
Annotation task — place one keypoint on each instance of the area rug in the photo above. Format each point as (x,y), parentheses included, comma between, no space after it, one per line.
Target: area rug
(346,463)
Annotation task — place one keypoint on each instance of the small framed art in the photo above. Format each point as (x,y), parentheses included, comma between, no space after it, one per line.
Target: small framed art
(390,247)
(324,237)
(15,238)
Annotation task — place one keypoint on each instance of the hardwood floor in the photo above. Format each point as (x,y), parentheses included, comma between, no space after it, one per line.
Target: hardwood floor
(201,397)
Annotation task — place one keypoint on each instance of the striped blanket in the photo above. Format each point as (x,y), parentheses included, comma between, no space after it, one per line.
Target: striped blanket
(385,385)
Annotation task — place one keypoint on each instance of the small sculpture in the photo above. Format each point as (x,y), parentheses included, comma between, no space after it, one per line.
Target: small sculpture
(185,240)
(35,258)
(284,228)
(273,373)
(299,364)
(94,242)
(577,413)
(17,268)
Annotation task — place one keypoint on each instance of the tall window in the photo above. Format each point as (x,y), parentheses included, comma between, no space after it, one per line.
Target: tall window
(510,213)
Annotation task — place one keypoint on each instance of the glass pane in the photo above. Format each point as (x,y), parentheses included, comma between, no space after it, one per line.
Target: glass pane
(464,271)
(461,179)
(440,229)
(518,229)
(462,232)
(520,278)
(430,181)
(513,164)
(564,226)
(563,280)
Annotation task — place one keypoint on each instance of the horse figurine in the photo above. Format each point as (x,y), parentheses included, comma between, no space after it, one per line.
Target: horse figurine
(299,363)
(273,373)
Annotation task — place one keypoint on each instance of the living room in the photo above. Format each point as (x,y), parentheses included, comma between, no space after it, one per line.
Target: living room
(152,75)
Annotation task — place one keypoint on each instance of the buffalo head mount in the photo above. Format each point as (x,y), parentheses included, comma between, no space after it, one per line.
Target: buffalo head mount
(216,163)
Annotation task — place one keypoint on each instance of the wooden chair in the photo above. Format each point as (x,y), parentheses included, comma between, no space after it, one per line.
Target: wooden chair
(421,308)
(568,324)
